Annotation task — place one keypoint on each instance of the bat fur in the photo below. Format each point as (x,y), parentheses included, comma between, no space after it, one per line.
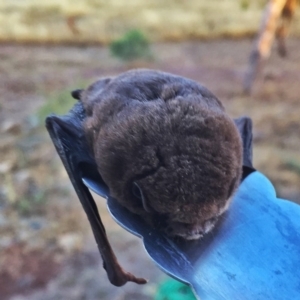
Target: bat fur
(165,147)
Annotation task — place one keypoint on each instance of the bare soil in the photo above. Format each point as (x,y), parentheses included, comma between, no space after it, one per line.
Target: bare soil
(46,247)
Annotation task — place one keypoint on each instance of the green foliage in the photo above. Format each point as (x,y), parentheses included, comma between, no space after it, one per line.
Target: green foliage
(293,165)
(133,45)
(31,204)
(244,4)
(174,290)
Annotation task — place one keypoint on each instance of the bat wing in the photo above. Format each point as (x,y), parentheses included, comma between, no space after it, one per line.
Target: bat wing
(244,126)
(69,140)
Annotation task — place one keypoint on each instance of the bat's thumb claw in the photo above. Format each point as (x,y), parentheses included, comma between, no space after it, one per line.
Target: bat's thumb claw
(120,277)
(132,278)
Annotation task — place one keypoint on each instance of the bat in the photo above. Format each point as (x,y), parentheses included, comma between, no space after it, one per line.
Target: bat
(161,145)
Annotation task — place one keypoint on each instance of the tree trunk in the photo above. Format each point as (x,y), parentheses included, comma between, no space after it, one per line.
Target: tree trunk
(275,9)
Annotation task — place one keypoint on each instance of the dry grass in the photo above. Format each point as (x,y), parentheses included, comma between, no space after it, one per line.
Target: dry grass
(98,21)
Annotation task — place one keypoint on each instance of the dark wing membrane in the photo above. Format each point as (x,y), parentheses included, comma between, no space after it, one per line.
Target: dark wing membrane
(244,126)
(68,138)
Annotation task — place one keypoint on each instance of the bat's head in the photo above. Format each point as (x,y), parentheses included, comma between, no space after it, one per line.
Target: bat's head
(176,161)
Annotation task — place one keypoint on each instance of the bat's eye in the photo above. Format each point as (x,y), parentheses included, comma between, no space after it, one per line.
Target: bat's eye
(138,193)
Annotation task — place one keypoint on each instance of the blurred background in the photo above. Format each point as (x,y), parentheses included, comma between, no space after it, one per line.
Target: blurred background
(49,48)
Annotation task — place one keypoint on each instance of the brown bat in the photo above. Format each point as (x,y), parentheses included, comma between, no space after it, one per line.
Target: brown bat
(164,147)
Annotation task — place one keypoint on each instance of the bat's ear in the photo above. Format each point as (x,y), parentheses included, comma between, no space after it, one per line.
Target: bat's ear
(138,193)
(76,94)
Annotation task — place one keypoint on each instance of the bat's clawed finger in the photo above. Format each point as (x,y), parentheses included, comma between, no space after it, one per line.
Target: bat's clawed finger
(138,280)
(125,277)
(119,277)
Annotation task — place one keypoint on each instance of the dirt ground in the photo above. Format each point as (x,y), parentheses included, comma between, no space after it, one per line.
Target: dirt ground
(46,247)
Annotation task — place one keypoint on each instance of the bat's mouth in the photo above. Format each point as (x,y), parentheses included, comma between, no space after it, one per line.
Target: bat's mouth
(197,229)
(191,231)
